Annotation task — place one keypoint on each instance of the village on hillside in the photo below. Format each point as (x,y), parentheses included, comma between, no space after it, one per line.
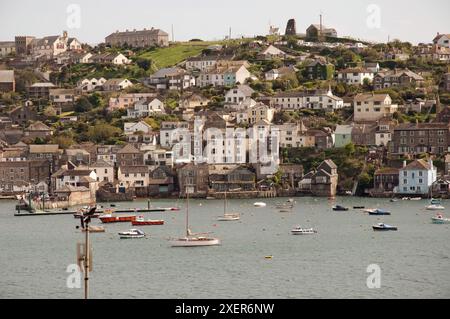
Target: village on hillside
(299,112)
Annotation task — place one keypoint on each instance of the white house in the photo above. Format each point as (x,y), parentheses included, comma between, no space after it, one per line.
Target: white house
(270,53)
(442,40)
(103,170)
(133,176)
(355,76)
(131,128)
(319,100)
(146,107)
(238,94)
(372,107)
(257,113)
(224,75)
(417,177)
(89,85)
(116,84)
(171,133)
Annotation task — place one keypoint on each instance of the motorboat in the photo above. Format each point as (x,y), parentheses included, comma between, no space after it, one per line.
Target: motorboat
(260,204)
(377,211)
(340,208)
(439,219)
(435,201)
(298,230)
(383,227)
(132,233)
(109,218)
(95,229)
(140,221)
(435,207)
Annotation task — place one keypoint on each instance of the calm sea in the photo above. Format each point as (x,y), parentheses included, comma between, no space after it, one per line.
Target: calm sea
(414,261)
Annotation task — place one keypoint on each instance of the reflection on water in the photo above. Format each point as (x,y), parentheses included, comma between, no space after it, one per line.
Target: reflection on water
(414,261)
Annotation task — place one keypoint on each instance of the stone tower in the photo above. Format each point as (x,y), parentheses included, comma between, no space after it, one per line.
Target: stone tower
(291,28)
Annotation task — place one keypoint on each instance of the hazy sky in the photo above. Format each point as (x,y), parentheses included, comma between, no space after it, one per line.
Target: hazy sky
(415,20)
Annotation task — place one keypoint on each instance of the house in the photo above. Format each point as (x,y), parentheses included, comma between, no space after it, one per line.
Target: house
(49,46)
(132,128)
(224,75)
(317,100)
(172,132)
(20,175)
(294,135)
(373,67)
(445,82)
(75,177)
(317,31)
(342,135)
(146,107)
(386,180)
(136,176)
(447,164)
(384,132)
(238,94)
(124,101)
(323,139)
(391,78)
(7,81)
(416,138)
(202,63)
(257,113)
(321,182)
(192,101)
(364,134)
(40,90)
(271,53)
(291,175)
(138,38)
(372,107)
(90,85)
(37,130)
(110,58)
(116,84)
(130,156)
(161,181)
(318,70)
(280,73)
(174,78)
(194,179)
(82,58)
(442,40)
(355,76)
(7,48)
(416,178)
(225,178)
(62,96)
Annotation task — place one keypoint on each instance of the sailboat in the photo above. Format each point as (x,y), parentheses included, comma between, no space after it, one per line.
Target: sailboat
(227,217)
(193,240)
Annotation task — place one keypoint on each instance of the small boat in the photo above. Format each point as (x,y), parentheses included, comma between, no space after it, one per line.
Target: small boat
(383,227)
(107,219)
(435,207)
(227,217)
(260,204)
(140,221)
(284,206)
(406,198)
(297,230)
(439,219)
(340,208)
(393,200)
(416,198)
(359,207)
(132,233)
(173,209)
(95,229)
(377,212)
(435,201)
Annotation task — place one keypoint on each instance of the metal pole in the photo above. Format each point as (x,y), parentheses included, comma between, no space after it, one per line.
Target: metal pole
(86,263)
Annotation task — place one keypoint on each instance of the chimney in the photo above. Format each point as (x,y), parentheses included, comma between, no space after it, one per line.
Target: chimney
(404,164)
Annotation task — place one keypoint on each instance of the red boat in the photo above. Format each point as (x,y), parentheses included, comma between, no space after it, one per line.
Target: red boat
(140,221)
(106,219)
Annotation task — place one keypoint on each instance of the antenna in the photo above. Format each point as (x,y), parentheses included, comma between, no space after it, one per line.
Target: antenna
(173,36)
(229,37)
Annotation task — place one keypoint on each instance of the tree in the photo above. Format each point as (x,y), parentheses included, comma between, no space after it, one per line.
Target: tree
(101,133)
(350,149)
(144,64)
(83,105)
(63,141)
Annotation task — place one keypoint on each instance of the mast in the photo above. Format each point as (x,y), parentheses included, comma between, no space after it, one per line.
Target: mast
(225,204)
(187,211)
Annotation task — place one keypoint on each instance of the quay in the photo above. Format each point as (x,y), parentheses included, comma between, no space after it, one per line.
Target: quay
(67,212)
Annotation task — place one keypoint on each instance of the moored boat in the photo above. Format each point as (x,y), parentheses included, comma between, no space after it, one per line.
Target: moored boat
(383,227)
(298,230)
(140,221)
(340,208)
(132,233)
(439,219)
(95,229)
(377,211)
(260,204)
(228,217)
(107,219)
(435,207)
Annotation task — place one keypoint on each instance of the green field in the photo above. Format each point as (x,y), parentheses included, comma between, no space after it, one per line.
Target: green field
(175,53)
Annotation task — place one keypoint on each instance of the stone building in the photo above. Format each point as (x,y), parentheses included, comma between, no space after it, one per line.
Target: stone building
(138,39)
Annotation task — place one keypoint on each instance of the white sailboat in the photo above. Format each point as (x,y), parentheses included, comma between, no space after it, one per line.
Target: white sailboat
(228,217)
(193,240)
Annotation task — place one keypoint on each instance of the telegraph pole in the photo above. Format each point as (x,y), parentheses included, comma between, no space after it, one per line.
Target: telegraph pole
(86,262)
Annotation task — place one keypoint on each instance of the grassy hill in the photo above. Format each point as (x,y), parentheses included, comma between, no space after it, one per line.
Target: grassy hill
(175,53)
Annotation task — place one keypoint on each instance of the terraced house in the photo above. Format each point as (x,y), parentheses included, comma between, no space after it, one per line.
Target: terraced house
(396,77)
(416,138)
(138,39)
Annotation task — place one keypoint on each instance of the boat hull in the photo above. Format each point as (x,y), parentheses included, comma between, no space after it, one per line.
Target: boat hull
(435,207)
(147,223)
(440,220)
(117,219)
(187,242)
(131,236)
(376,228)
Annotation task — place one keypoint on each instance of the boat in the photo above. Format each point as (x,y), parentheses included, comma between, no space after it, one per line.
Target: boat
(435,207)
(109,218)
(284,206)
(260,204)
(95,229)
(439,219)
(435,201)
(193,240)
(416,198)
(393,200)
(359,207)
(298,230)
(377,211)
(383,227)
(132,233)
(140,221)
(340,208)
(227,217)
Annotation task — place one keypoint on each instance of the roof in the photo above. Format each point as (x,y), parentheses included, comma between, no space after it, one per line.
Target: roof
(355,70)
(343,129)
(399,73)
(247,90)
(38,126)
(101,163)
(134,169)
(151,31)
(439,36)
(43,84)
(116,81)
(371,97)
(387,170)
(6,76)
(129,148)
(417,165)
(162,73)
(272,51)
(422,126)
(76,172)
(45,148)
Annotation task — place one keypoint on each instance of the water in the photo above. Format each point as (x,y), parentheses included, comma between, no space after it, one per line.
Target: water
(35,252)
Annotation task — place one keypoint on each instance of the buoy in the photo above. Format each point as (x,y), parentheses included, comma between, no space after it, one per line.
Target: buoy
(268,257)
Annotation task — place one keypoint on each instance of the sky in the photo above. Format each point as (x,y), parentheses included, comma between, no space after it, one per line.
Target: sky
(91,21)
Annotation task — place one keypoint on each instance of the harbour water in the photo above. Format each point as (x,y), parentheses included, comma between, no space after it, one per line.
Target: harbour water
(414,261)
